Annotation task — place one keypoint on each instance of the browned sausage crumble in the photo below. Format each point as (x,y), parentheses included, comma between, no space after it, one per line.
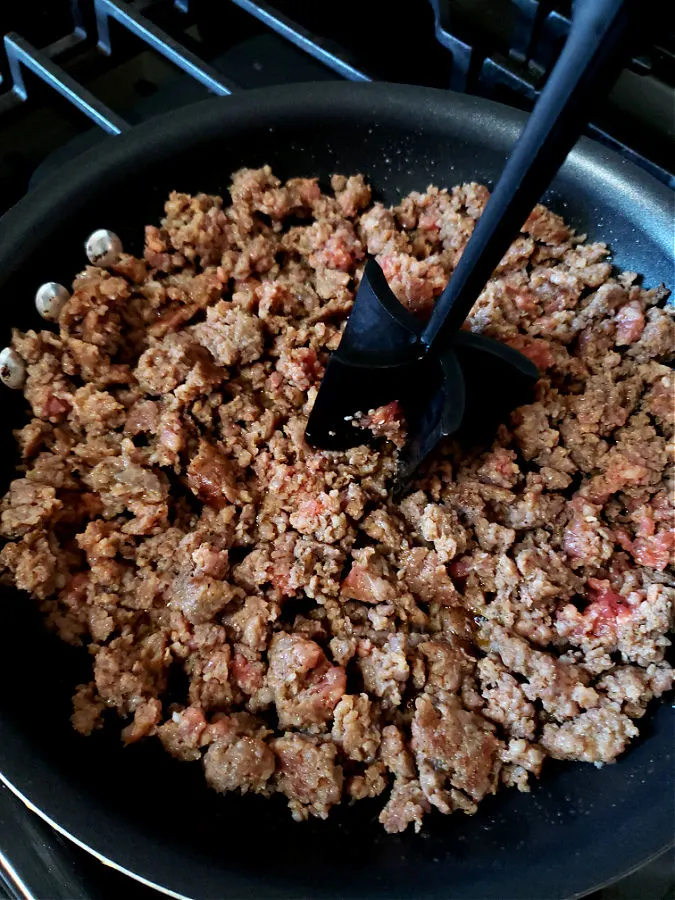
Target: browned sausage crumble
(335,645)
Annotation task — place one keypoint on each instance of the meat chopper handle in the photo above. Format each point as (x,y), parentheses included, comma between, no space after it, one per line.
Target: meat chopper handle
(589,62)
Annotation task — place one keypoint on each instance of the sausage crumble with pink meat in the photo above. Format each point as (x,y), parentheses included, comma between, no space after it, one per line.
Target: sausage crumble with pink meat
(336,645)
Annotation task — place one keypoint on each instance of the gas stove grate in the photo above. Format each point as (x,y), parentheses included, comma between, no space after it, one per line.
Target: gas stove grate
(21,53)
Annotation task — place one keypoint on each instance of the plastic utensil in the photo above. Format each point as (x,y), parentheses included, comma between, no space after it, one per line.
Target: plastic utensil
(446,378)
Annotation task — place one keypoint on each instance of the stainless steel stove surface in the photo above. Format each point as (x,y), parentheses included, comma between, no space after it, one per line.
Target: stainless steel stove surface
(75,71)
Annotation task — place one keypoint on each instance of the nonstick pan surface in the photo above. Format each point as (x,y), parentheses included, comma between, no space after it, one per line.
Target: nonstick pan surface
(581,826)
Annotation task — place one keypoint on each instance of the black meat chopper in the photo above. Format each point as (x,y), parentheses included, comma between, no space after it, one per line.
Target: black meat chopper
(447,379)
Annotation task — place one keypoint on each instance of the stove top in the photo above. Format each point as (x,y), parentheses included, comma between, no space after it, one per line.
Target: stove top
(75,71)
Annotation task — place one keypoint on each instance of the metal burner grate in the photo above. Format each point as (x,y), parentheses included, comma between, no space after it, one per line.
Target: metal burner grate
(504,49)
(20,53)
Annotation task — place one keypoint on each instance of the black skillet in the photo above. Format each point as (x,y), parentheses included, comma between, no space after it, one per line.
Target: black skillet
(580,827)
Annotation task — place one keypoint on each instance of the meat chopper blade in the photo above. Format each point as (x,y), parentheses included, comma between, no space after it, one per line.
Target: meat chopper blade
(444,378)
(377,356)
(434,390)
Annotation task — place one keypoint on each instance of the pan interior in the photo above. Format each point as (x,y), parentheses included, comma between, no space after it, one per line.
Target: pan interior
(580,826)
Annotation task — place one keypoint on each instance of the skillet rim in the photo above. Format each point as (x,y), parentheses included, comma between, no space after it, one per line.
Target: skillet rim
(22,228)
